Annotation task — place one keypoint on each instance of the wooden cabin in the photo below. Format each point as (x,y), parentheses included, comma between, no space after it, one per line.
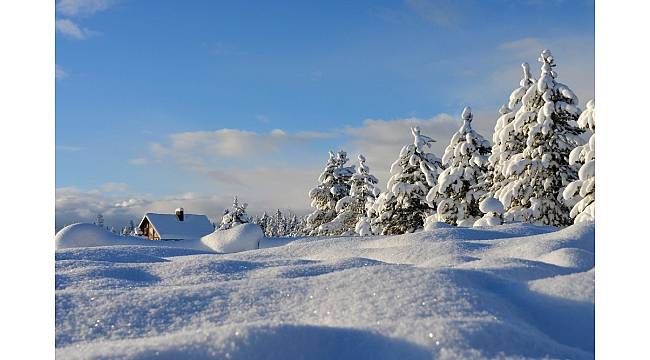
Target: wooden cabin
(177,226)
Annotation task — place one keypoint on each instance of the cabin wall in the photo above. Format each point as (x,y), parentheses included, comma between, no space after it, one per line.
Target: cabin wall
(150,232)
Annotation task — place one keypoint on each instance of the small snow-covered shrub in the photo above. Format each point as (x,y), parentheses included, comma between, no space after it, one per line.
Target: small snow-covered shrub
(493,210)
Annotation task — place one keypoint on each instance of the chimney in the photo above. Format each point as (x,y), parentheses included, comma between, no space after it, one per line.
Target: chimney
(180,215)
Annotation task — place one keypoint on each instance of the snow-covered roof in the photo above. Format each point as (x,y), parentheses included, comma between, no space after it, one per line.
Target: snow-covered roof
(169,227)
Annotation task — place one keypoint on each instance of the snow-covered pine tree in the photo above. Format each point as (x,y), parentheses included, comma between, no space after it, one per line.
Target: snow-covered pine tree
(580,195)
(236,215)
(264,224)
(404,206)
(334,185)
(278,224)
(99,220)
(506,140)
(536,177)
(461,185)
(128,229)
(352,207)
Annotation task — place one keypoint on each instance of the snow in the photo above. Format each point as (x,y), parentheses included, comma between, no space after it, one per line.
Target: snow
(235,239)
(170,228)
(509,291)
(238,238)
(491,205)
(86,235)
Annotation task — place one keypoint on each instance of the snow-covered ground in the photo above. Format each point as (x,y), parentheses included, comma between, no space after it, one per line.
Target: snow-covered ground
(511,291)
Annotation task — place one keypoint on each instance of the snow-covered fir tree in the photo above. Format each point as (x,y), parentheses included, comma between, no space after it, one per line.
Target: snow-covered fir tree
(580,195)
(352,207)
(236,215)
(128,229)
(404,206)
(263,222)
(334,185)
(278,224)
(99,220)
(536,177)
(461,184)
(506,139)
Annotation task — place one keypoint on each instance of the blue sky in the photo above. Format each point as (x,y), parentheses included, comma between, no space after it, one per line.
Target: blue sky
(187,103)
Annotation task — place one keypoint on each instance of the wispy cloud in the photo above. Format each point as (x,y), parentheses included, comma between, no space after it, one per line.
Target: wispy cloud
(139,161)
(59,73)
(68,148)
(444,13)
(70,29)
(68,9)
(82,7)
(114,187)
(230,143)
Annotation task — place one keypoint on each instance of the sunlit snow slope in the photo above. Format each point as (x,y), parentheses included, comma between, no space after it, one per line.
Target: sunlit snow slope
(512,291)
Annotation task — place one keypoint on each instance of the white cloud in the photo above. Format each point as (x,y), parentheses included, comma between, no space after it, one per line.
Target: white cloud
(228,143)
(139,161)
(574,56)
(82,7)
(77,205)
(68,148)
(114,187)
(70,29)
(380,141)
(59,73)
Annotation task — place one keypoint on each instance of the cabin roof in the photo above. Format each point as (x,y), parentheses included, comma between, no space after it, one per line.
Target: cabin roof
(169,227)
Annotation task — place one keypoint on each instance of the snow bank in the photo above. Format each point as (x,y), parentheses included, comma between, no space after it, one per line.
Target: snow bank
(85,235)
(238,238)
(509,291)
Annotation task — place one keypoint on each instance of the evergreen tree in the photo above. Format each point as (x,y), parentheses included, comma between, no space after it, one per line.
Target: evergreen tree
(580,195)
(234,216)
(404,206)
(129,229)
(99,220)
(334,185)
(536,177)
(461,185)
(264,224)
(507,141)
(352,207)
(278,224)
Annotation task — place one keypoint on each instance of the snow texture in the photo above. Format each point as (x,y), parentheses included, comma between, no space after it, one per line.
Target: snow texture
(511,291)
(237,238)
(493,212)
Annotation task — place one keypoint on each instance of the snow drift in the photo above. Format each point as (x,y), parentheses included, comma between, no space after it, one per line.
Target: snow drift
(238,238)
(510,291)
